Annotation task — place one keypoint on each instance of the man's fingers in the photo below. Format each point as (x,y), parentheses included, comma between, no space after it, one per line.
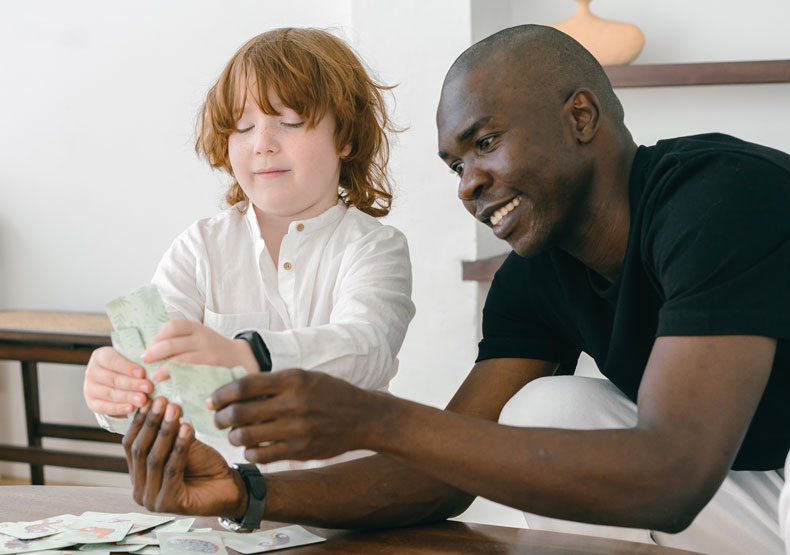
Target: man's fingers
(138,480)
(173,473)
(158,455)
(258,434)
(255,385)
(252,411)
(141,445)
(268,453)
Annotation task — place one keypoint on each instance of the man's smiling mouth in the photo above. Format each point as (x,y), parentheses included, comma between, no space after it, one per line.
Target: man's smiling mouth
(497,216)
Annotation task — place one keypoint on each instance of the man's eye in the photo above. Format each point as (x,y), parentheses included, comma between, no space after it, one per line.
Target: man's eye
(457,168)
(485,143)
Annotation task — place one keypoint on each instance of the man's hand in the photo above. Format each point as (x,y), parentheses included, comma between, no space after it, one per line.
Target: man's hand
(172,472)
(194,343)
(113,385)
(295,414)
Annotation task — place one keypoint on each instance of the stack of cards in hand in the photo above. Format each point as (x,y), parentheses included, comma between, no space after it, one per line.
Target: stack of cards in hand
(137,318)
(138,534)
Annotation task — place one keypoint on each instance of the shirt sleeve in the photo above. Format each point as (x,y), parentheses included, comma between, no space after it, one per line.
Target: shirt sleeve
(517,316)
(180,276)
(718,242)
(371,311)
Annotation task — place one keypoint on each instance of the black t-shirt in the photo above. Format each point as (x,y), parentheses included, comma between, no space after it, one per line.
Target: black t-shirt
(708,254)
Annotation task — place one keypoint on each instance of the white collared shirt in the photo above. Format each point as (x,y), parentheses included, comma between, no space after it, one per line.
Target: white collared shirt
(340,301)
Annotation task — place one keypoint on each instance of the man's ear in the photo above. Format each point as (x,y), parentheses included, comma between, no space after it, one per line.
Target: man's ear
(584,111)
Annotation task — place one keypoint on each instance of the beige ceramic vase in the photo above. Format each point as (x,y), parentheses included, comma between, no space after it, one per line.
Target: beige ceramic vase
(611,42)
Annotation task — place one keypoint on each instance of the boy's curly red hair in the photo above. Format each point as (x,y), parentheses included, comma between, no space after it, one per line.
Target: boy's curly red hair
(312,72)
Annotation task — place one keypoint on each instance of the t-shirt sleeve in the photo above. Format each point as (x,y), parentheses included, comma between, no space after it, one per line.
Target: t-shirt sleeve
(515,323)
(718,242)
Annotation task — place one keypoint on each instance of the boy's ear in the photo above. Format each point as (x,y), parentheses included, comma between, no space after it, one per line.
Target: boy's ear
(346,151)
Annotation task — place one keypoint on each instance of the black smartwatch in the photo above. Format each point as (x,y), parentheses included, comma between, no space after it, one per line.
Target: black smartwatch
(256,500)
(259,349)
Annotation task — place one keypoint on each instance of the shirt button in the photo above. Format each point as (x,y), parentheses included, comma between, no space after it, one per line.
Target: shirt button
(287,266)
(299,227)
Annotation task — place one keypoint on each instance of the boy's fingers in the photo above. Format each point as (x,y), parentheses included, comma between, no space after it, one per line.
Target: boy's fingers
(112,360)
(167,348)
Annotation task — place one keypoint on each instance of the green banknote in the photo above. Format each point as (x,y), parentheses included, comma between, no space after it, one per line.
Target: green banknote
(137,318)
(192,384)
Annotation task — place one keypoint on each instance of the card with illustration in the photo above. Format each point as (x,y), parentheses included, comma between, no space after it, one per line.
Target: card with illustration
(10,544)
(270,540)
(149,537)
(98,528)
(191,543)
(36,528)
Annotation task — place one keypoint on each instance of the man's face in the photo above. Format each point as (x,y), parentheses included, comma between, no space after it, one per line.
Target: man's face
(513,150)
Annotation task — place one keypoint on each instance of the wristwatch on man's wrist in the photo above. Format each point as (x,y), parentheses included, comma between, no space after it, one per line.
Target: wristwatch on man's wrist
(259,349)
(256,500)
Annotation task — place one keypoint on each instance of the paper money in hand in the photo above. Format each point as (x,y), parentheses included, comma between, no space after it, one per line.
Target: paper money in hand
(192,385)
(137,318)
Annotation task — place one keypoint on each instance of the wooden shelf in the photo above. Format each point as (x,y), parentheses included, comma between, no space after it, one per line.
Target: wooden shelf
(717,73)
(482,270)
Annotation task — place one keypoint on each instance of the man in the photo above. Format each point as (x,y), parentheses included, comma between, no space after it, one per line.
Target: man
(666,264)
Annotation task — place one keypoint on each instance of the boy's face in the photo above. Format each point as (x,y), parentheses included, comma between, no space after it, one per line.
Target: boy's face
(284,168)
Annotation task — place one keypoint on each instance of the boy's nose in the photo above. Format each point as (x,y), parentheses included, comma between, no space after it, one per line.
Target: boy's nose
(265,140)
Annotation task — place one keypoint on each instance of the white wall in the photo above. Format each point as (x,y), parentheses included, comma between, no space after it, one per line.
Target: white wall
(98,174)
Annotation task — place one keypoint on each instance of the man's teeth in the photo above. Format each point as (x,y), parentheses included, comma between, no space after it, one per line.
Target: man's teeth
(497,216)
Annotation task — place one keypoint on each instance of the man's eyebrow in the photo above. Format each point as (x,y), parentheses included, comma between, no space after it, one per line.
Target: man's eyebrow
(472,129)
(466,133)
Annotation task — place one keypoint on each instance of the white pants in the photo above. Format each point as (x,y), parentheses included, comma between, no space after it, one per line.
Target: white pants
(740,519)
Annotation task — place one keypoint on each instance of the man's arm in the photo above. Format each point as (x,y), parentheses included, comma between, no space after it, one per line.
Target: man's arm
(697,398)
(374,491)
(695,404)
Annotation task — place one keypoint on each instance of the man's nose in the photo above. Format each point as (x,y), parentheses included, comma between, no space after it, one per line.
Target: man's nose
(473,183)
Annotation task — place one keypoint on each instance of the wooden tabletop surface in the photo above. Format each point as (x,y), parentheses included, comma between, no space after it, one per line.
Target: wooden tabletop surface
(55,327)
(27,503)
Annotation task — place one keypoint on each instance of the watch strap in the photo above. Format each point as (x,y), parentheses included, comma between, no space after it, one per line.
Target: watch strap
(256,496)
(259,349)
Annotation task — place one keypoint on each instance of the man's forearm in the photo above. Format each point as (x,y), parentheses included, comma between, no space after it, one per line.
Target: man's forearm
(372,492)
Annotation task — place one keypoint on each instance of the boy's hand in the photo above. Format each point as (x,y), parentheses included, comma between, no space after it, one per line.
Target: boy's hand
(194,343)
(171,472)
(113,385)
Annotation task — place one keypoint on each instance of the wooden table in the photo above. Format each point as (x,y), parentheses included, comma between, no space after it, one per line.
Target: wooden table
(67,338)
(36,502)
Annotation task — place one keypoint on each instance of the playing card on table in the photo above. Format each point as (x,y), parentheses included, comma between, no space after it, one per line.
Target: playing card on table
(36,528)
(72,552)
(10,544)
(139,521)
(191,543)
(92,548)
(270,540)
(149,537)
(98,528)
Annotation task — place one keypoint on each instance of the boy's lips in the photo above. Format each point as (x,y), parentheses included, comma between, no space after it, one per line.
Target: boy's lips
(271,172)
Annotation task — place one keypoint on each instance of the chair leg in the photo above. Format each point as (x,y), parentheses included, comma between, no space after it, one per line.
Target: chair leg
(32,416)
